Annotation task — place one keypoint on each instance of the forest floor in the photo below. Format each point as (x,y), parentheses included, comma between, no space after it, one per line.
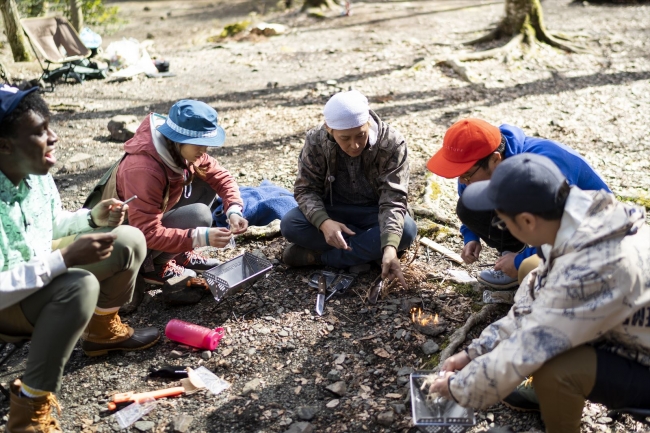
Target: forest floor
(268,92)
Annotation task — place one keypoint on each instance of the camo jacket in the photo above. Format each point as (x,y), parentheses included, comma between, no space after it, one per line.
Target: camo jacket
(385,165)
(592,288)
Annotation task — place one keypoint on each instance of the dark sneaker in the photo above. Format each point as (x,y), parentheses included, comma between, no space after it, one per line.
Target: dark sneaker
(196,261)
(523,398)
(106,333)
(162,273)
(497,280)
(182,291)
(295,255)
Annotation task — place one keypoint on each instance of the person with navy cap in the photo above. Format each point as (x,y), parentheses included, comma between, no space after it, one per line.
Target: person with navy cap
(166,165)
(63,275)
(580,325)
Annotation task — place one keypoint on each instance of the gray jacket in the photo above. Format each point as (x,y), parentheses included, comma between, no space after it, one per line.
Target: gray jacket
(385,165)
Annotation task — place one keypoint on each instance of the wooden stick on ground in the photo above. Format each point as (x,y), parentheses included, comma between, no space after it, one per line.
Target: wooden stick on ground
(460,334)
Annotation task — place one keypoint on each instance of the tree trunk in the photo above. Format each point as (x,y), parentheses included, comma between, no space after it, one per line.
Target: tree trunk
(76,14)
(15,35)
(323,4)
(523,16)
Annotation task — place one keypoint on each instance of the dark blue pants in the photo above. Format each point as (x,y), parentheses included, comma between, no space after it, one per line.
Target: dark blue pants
(362,220)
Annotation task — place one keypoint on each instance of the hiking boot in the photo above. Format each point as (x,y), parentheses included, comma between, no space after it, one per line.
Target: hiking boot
(196,261)
(497,280)
(106,333)
(162,273)
(32,415)
(176,291)
(523,398)
(295,255)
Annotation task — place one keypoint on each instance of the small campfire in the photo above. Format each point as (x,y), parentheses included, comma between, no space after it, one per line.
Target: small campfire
(426,323)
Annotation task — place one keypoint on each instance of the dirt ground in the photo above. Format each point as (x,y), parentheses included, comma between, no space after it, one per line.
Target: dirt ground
(268,92)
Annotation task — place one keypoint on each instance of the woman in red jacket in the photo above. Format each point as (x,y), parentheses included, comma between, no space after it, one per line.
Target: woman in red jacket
(176,181)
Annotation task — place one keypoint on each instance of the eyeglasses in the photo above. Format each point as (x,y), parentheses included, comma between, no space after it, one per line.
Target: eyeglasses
(498,223)
(468,177)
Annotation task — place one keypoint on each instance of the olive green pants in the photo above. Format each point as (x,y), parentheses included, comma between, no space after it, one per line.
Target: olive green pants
(55,316)
(563,383)
(527,266)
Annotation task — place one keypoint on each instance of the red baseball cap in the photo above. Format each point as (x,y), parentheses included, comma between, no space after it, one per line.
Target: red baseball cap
(465,142)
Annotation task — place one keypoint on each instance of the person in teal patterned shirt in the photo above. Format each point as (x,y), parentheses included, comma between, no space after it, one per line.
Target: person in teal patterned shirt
(63,275)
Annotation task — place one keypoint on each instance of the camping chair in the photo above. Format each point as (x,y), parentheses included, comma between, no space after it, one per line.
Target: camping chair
(17,343)
(54,40)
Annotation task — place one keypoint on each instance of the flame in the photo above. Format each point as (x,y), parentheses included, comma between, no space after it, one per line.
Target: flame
(422,319)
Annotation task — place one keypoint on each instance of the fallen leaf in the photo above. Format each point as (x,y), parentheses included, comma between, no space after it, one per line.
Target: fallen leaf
(380,351)
(332,404)
(227,351)
(393,395)
(297,390)
(255,396)
(346,335)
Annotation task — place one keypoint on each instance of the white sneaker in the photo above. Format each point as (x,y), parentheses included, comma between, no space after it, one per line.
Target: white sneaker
(497,279)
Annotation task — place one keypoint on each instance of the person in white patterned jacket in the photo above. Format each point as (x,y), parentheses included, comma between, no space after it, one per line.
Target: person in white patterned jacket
(580,325)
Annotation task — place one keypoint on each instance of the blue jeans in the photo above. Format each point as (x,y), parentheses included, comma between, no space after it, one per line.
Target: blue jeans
(362,220)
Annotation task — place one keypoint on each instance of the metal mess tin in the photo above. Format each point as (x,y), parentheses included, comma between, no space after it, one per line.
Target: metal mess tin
(440,416)
(236,274)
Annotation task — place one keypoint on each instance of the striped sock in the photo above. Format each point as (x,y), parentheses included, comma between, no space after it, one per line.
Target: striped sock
(30,392)
(105,311)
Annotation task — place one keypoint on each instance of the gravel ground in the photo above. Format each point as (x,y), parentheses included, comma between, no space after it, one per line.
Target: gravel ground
(268,92)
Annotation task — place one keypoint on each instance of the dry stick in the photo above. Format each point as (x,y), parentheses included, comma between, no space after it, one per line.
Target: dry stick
(415,254)
(460,334)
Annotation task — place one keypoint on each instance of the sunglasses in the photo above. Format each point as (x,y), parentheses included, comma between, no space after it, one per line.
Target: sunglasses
(498,223)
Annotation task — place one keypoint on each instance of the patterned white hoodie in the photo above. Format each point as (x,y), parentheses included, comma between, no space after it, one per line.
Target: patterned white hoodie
(593,287)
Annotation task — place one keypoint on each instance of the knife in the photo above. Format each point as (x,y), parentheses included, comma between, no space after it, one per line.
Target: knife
(375,290)
(320,298)
(339,286)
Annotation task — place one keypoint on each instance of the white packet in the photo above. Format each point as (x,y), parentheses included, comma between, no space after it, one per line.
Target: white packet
(134,412)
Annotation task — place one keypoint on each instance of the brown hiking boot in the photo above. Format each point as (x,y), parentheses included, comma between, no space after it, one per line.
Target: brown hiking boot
(32,415)
(295,255)
(106,333)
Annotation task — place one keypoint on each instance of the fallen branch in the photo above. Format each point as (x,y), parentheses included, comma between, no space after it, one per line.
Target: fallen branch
(268,231)
(460,334)
(435,215)
(371,336)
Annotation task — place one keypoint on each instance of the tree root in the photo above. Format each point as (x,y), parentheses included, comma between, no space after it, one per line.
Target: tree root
(561,42)
(458,337)
(435,215)
(492,36)
(482,55)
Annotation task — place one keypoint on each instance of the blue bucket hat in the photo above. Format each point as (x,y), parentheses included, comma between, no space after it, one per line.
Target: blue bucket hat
(10,97)
(193,122)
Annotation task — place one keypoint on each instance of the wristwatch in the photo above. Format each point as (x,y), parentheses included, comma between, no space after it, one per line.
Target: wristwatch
(91,222)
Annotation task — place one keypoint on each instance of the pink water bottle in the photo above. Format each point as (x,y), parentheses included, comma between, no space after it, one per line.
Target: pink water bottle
(193,335)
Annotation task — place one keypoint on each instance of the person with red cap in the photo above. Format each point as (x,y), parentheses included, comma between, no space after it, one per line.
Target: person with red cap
(471,150)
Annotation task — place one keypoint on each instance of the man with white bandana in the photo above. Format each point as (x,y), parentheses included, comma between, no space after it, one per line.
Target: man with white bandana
(352,191)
